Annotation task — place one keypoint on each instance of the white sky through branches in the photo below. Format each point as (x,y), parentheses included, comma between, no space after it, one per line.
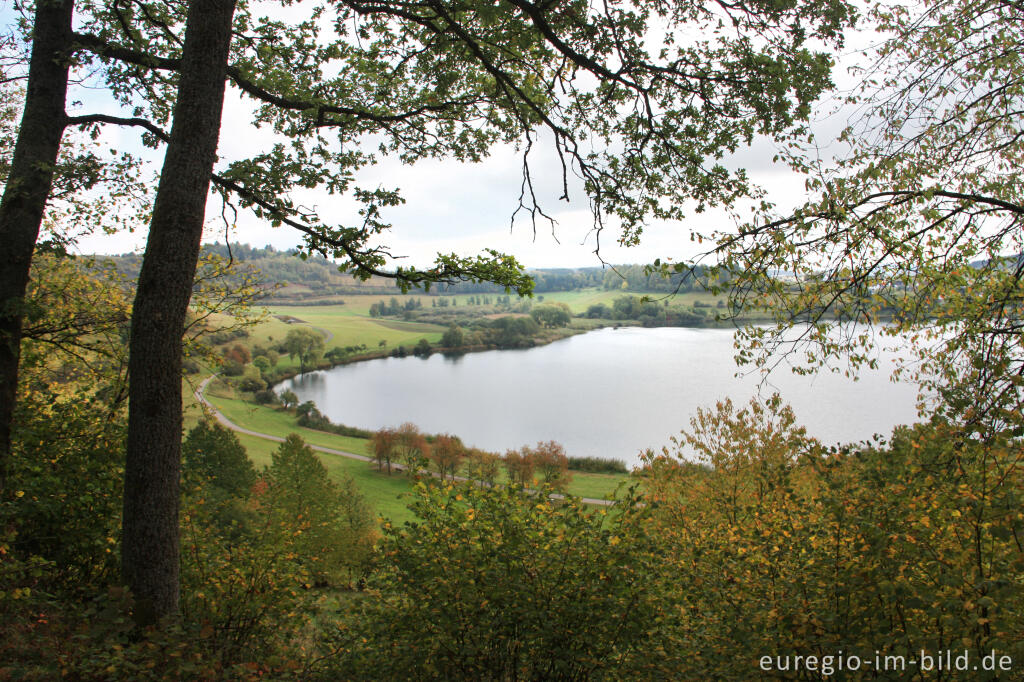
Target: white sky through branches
(451,206)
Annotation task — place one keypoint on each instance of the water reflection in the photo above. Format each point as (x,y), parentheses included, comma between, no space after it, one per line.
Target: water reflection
(609,393)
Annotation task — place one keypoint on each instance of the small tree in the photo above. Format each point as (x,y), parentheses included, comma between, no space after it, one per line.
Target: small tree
(519,465)
(320,520)
(422,348)
(483,466)
(238,353)
(212,453)
(552,315)
(289,399)
(262,363)
(454,337)
(550,462)
(447,453)
(306,344)
(384,443)
(412,448)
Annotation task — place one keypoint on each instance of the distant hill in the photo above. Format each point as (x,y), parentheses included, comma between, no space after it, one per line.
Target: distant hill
(1006,262)
(318,278)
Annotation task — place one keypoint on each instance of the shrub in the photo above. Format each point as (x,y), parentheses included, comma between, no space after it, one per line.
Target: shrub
(212,453)
(265,397)
(491,583)
(550,462)
(252,384)
(597,465)
(64,507)
(232,368)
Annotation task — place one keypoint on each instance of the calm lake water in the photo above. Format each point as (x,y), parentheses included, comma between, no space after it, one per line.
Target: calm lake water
(609,393)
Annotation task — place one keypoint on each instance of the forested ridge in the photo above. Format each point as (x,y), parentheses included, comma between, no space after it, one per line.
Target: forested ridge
(320,277)
(141,539)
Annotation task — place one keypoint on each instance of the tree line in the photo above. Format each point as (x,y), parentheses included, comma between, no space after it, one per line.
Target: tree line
(916,540)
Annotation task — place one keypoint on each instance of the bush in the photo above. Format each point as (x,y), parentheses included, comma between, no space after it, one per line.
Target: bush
(336,528)
(311,418)
(252,384)
(494,584)
(422,348)
(212,453)
(265,397)
(64,507)
(780,545)
(597,465)
(232,368)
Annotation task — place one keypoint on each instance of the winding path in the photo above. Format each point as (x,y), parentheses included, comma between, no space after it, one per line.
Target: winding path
(219,416)
(328,334)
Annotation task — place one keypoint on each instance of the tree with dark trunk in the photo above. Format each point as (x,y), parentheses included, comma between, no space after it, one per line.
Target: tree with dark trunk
(27,190)
(150,560)
(636,134)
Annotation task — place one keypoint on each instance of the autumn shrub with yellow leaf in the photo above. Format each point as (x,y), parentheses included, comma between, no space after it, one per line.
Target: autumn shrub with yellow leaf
(780,547)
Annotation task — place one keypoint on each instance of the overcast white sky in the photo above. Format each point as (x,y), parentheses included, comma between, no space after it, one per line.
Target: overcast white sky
(463,208)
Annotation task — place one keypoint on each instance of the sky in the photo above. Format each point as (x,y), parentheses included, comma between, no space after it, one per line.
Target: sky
(457,207)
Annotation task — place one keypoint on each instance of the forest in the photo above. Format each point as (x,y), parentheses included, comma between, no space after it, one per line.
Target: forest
(132,547)
(320,279)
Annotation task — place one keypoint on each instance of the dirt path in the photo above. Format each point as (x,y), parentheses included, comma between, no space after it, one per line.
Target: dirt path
(328,335)
(219,416)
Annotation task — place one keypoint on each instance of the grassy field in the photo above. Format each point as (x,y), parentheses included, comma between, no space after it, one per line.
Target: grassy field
(577,300)
(279,423)
(581,299)
(345,326)
(384,493)
(348,323)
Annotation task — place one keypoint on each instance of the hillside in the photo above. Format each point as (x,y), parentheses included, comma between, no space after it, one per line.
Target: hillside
(287,277)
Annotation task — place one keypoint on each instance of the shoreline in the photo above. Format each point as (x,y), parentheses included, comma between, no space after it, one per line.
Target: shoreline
(480,348)
(379,354)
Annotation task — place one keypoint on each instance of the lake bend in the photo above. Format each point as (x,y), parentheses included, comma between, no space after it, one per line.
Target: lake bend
(609,393)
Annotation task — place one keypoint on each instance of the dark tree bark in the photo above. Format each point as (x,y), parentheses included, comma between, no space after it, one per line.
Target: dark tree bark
(149,559)
(28,187)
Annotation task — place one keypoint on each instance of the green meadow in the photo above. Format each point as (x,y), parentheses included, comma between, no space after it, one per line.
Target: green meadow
(346,322)
(380,489)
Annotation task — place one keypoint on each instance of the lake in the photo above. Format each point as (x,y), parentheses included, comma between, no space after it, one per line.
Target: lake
(610,393)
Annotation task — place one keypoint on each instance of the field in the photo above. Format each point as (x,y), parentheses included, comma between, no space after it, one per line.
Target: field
(384,493)
(346,322)
(581,299)
(346,325)
(381,490)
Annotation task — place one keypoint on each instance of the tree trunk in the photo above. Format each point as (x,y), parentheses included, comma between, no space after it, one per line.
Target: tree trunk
(28,187)
(150,559)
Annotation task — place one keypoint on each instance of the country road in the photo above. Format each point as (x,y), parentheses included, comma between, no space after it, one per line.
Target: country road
(219,416)
(227,423)
(328,334)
